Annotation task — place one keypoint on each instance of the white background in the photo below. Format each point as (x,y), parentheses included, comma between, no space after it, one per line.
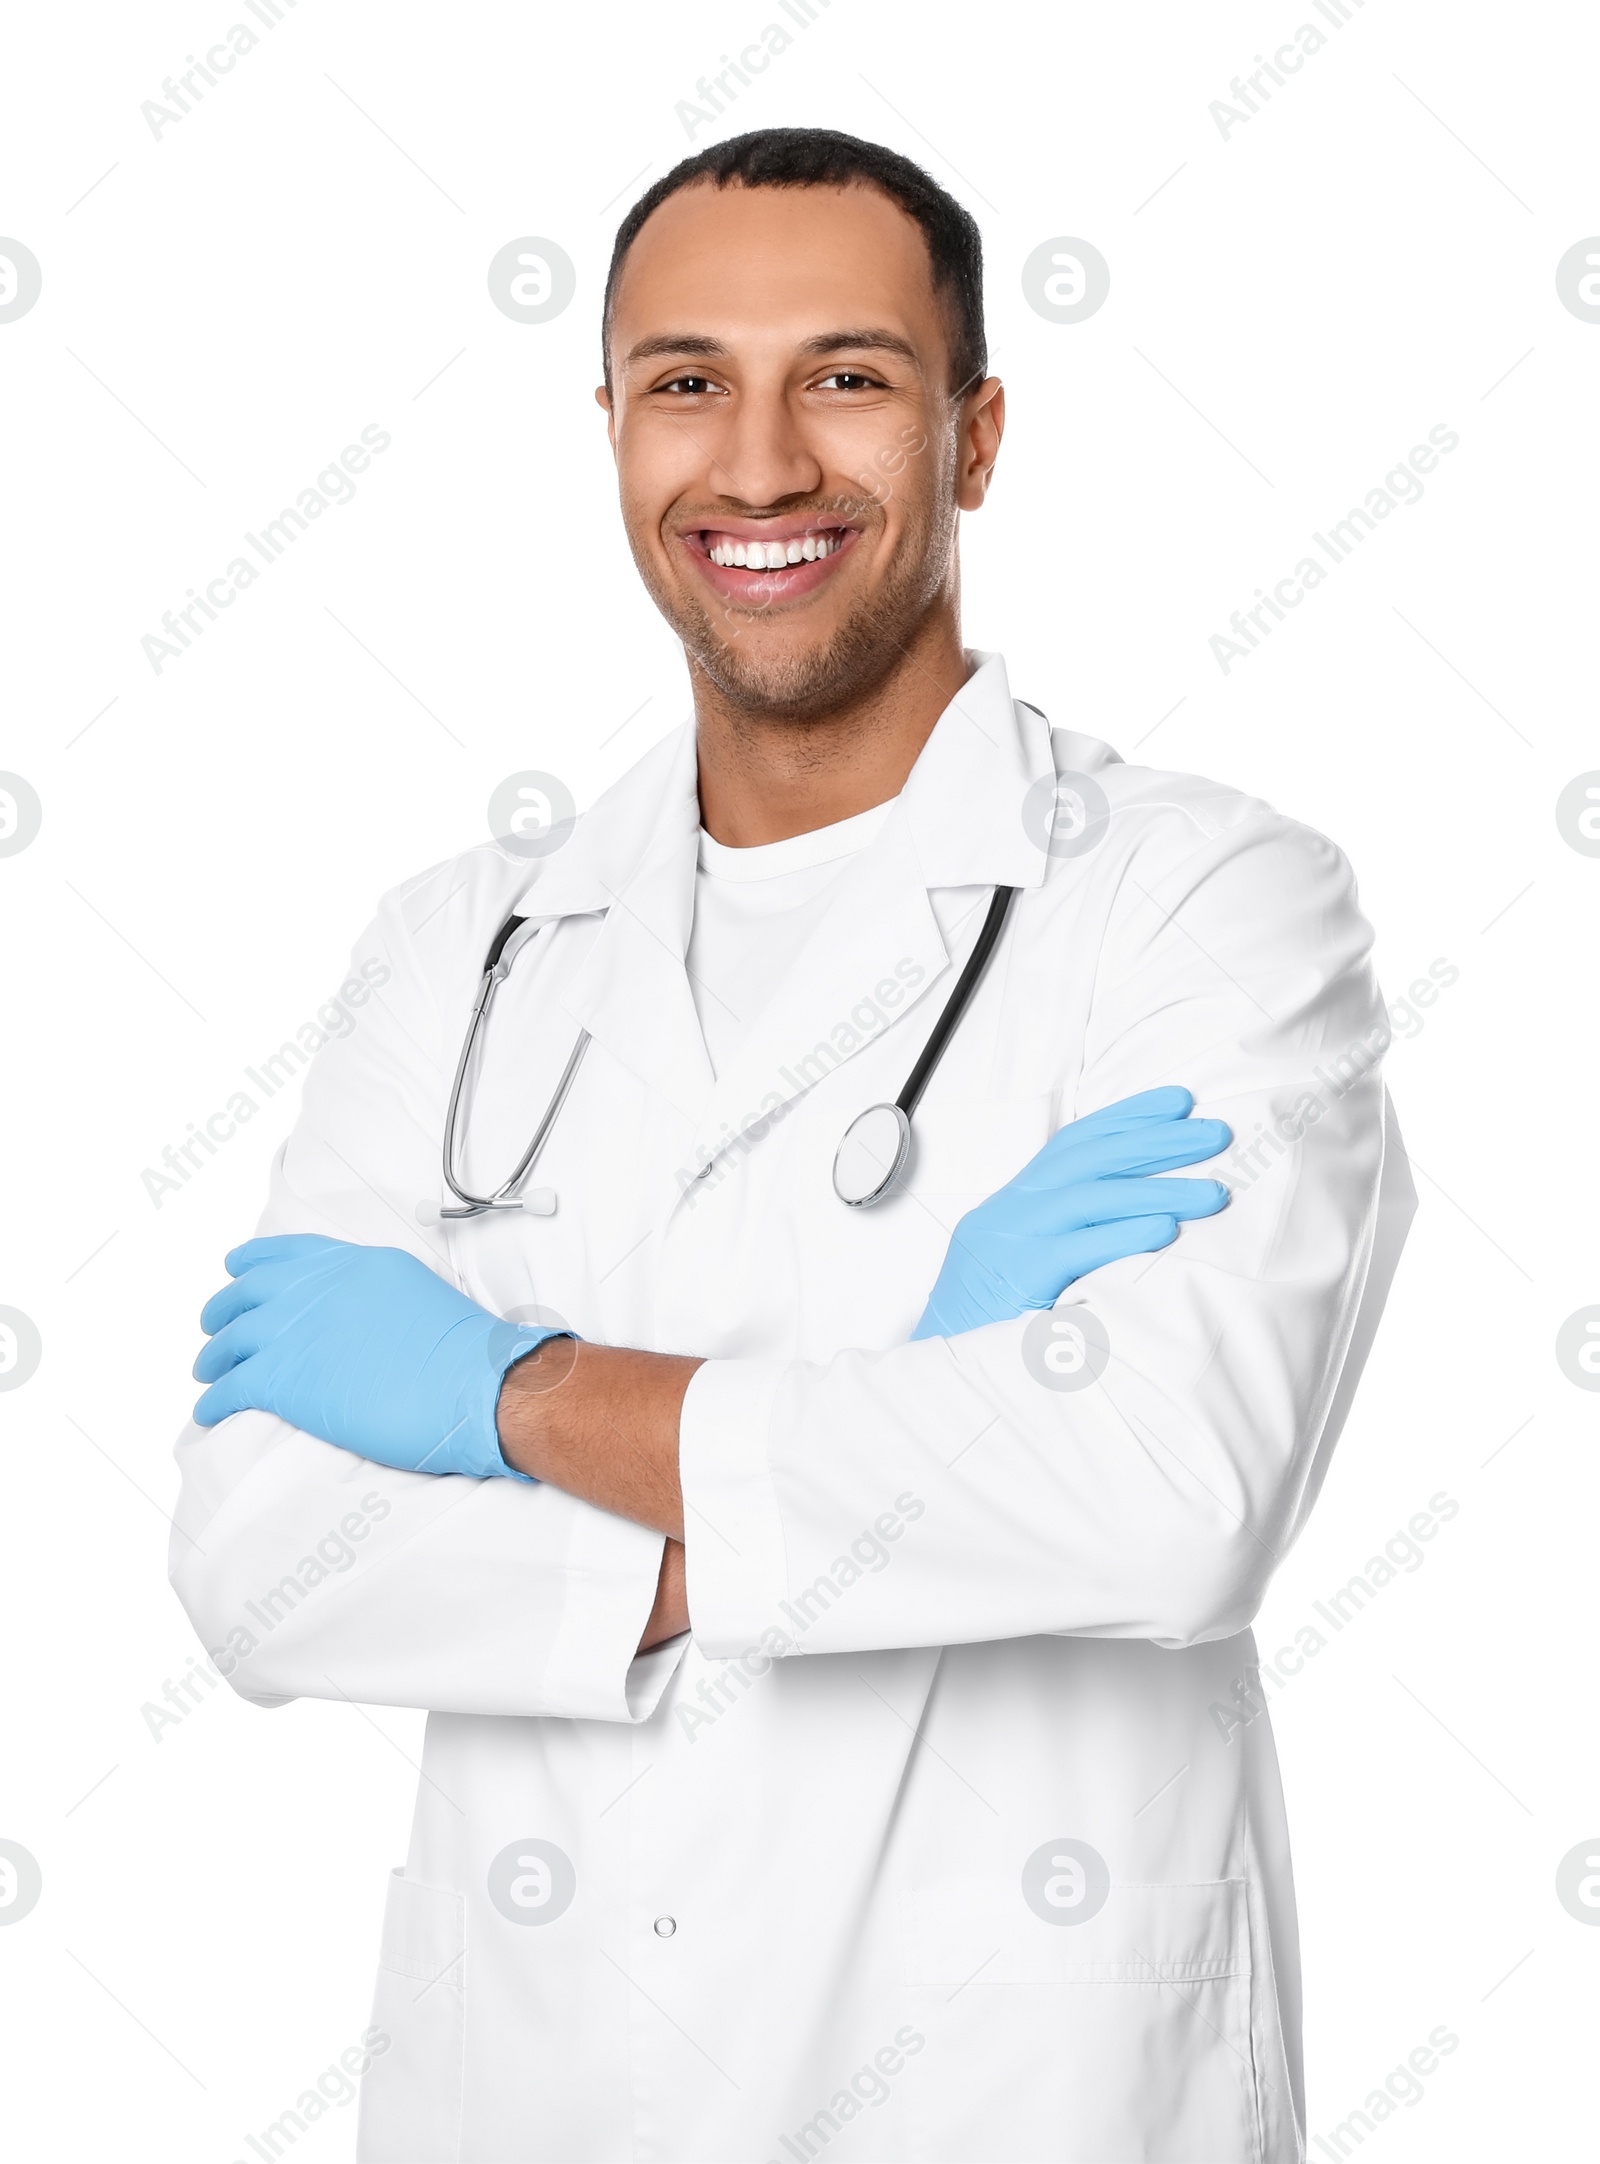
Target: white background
(1371,254)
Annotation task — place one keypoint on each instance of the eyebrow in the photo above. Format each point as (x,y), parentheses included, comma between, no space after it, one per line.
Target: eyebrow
(701,347)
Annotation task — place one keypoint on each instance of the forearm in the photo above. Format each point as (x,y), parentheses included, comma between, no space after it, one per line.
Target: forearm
(601,1423)
(955,1492)
(670,1615)
(312,1573)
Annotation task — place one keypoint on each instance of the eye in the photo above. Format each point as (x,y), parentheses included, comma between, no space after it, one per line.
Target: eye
(688,386)
(849,379)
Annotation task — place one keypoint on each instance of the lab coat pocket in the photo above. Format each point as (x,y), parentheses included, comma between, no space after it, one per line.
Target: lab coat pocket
(1126,2036)
(411,2095)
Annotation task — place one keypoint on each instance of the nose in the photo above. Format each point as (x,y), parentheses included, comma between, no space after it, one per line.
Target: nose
(762,455)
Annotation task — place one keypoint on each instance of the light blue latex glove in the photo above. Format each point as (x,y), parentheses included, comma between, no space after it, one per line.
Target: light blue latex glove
(1085,1200)
(364,1346)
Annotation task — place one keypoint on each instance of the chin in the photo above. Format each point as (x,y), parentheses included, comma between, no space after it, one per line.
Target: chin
(797,684)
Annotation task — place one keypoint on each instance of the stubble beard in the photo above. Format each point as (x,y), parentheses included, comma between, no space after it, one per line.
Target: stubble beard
(862,653)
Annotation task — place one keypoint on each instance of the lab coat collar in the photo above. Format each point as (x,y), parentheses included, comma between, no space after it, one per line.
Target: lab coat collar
(958,822)
(963,800)
(632,856)
(646,821)
(962,806)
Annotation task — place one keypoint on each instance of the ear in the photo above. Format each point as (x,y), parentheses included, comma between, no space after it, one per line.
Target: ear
(602,398)
(983,422)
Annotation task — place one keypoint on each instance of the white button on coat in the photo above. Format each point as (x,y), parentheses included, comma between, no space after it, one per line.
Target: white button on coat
(960,1776)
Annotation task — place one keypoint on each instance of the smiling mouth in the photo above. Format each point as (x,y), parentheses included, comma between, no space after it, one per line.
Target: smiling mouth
(770,555)
(766,560)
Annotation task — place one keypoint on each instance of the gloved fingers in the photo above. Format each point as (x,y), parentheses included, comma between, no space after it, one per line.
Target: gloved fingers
(236,1341)
(1123,1127)
(1158,1148)
(250,1289)
(231,1394)
(1184,1142)
(1100,1244)
(1149,1146)
(1035,1214)
(1080,1254)
(1170,1102)
(1107,1202)
(277,1267)
(277,1247)
(235,1298)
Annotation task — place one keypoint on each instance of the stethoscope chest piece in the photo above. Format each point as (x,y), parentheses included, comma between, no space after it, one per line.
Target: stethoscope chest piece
(871,1153)
(876,1142)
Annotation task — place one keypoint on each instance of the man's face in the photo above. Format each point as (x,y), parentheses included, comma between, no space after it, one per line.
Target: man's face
(780,395)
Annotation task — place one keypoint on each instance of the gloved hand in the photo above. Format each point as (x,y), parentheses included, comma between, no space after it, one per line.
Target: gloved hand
(1083,1201)
(364,1346)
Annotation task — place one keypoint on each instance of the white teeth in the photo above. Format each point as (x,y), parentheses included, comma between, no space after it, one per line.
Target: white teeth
(774,555)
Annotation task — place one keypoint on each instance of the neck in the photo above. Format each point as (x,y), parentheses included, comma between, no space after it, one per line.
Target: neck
(763,779)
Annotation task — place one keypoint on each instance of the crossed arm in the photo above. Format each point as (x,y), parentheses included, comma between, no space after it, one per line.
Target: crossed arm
(601,1422)
(374,1352)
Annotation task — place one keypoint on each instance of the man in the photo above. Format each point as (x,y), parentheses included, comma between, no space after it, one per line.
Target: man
(842,1736)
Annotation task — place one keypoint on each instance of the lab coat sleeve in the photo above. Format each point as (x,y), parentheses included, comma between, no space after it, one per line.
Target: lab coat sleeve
(310,1572)
(952,1491)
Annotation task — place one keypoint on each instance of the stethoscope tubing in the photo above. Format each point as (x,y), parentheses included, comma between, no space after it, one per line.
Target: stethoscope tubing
(497,966)
(957,1004)
(495,970)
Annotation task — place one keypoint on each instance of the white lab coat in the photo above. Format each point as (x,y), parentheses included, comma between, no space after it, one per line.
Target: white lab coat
(946,1617)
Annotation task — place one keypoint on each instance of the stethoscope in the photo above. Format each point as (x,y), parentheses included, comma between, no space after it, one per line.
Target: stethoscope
(875,1144)
(871,1151)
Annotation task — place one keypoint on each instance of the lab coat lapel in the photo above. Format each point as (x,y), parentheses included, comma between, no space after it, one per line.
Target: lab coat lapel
(633,995)
(879,930)
(958,824)
(632,856)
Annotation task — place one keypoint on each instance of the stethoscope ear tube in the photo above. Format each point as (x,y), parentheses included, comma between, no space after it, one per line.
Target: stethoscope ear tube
(497,946)
(503,950)
(959,1001)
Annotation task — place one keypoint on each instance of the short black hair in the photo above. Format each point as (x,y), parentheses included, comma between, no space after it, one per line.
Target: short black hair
(823,158)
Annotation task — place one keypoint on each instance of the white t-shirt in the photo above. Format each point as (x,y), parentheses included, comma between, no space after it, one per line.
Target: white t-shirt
(754,909)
